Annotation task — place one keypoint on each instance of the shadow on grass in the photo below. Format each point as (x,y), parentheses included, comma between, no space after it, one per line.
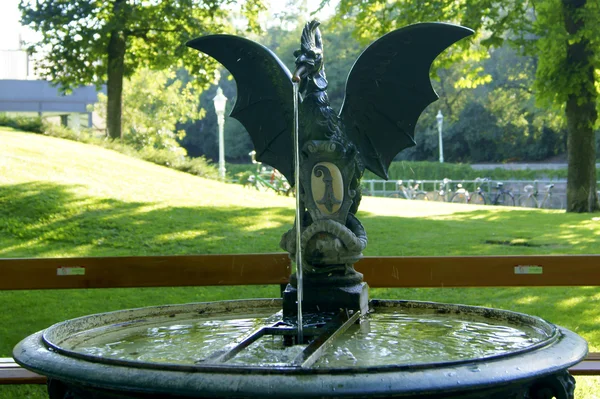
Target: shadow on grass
(44,219)
(483,232)
(47,219)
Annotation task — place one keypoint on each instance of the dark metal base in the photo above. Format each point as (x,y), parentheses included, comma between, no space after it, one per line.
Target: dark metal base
(560,386)
(319,298)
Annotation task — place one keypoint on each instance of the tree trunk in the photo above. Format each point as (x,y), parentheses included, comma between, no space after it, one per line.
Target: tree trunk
(581,114)
(116,70)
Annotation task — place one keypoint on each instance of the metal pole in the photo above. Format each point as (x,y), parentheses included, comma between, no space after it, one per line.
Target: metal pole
(440,120)
(220,102)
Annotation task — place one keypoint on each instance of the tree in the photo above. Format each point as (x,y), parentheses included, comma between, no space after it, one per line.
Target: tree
(154,103)
(104,41)
(561,34)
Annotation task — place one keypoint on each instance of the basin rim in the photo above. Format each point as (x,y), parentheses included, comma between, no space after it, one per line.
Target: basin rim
(565,351)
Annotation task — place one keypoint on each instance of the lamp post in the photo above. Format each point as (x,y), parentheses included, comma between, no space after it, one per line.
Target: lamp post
(440,121)
(220,101)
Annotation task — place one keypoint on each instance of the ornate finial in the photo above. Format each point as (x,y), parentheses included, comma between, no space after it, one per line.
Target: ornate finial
(311,37)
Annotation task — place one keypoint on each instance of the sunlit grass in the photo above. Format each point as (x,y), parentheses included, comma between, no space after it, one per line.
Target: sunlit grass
(60,198)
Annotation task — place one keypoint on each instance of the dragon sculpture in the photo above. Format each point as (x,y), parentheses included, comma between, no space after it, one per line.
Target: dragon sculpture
(387,89)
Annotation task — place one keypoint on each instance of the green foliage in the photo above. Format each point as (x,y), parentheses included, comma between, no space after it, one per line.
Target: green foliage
(97,42)
(562,36)
(424,170)
(405,170)
(79,33)
(535,29)
(27,124)
(199,166)
(161,156)
(154,102)
(235,169)
(201,135)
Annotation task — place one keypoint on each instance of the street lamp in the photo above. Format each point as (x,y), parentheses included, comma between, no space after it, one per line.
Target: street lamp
(440,121)
(220,101)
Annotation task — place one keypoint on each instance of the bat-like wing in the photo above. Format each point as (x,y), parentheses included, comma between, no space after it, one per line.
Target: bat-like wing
(264,102)
(388,87)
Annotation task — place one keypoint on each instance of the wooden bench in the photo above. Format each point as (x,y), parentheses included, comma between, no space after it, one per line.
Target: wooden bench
(12,373)
(263,269)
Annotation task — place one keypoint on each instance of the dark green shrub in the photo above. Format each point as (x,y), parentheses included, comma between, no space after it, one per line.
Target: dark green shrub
(25,123)
(200,167)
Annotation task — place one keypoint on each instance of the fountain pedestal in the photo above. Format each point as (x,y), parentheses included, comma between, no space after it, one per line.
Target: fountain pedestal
(325,298)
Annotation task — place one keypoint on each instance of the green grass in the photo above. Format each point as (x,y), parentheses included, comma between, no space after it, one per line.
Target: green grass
(60,198)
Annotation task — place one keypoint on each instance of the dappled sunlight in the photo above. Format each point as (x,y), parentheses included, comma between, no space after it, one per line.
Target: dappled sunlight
(527,300)
(268,222)
(570,302)
(19,246)
(181,235)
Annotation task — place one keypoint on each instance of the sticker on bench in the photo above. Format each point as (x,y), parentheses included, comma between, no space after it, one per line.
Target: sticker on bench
(529,269)
(70,271)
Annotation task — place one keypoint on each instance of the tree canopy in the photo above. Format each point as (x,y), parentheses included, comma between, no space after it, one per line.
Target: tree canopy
(561,35)
(102,41)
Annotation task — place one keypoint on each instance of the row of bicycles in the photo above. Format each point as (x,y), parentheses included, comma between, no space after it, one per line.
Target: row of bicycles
(485,193)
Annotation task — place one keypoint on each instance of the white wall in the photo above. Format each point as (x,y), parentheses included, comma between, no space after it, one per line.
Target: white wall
(14,65)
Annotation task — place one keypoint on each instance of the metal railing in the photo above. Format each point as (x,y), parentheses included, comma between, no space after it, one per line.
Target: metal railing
(519,188)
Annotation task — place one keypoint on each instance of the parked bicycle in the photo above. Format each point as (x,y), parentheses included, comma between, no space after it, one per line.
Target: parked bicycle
(411,192)
(461,196)
(444,194)
(548,201)
(501,197)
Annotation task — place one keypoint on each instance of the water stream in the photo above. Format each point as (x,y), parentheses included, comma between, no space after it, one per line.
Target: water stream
(299,287)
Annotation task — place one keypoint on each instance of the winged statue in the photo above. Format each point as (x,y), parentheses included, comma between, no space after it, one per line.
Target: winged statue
(386,90)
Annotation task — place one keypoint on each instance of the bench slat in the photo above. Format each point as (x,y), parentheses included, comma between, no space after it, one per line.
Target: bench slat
(144,271)
(481,271)
(12,373)
(275,268)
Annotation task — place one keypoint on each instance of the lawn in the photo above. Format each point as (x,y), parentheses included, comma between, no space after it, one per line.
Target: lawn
(60,198)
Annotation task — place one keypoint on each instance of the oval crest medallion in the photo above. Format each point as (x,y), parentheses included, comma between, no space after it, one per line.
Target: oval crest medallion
(327,185)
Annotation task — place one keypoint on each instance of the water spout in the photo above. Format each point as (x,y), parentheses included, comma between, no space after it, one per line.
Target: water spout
(298,214)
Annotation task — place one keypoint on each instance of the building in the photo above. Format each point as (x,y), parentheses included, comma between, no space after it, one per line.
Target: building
(22,93)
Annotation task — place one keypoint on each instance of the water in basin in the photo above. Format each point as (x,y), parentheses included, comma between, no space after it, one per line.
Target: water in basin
(385,337)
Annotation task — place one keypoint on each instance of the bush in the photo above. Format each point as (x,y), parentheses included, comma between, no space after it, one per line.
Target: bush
(63,132)
(165,157)
(27,124)
(242,168)
(161,156)
(200,167)
(406,170)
